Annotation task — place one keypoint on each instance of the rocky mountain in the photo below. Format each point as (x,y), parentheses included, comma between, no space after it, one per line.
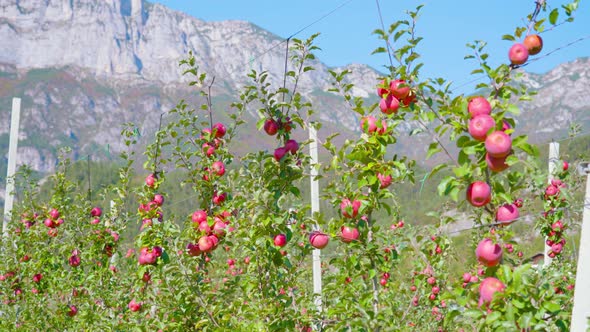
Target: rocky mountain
(84,67)
(562,101)
(131,39)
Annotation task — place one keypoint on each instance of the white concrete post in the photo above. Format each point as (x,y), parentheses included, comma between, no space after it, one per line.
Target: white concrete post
(581,310)
(12,146)
(315,207)
(553,161)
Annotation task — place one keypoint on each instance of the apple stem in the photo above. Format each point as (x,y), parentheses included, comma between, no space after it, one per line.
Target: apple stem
(209,104)
(538,5)
(157,146)
(375,282)
(436,138)
(285,71)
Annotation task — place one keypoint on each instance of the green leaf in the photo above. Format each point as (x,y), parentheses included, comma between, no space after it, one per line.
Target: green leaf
(446,186)
(493,317)
(525,320)
(433,148)
(473,313)
(508,37)
(379,50)
(462,141)
(553,16)
(551,306)
(513,109)
(436,169)
(517,303)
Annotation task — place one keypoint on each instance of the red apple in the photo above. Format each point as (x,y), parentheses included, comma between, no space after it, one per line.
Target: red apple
(150,180)
(466,277)
(193,249)
(369,124)
(219,130)
(271,127)
(214,240)
(147,256)
(204,228)
(199,216)
(72,311)
(384,180)
(95,221)
(557,226)
(219,228)
(498,144)
(218,199)
(292,146)
(389,105)
(533,44)
(507,213)
(551,190)
(208,149)
(399,89)
(480,125)
(496,164)
(488,287)
(54,214)
(518,54)
(280,153)
(382,89)
(134,306)
(205,244)
(410,99)
(95,212)
(280,240)
(479,106)
(566,165)
(286,124)
(479,193)
(318,239)
(488,253)
(348,234)
(350,209)
(158,199)
(557,247)
(37,277)
(49,223)
(218,168)
(74,260)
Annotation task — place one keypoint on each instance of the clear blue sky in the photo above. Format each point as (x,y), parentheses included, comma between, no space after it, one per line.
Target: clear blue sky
(446,25)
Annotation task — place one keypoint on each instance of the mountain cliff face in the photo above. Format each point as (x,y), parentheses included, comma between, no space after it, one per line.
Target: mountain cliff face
(123,39)
(562,101)
(84,67)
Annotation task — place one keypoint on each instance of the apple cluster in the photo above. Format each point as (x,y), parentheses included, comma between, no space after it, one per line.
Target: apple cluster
(482,127)
(519,52)
(210,227)
(554,227)
(210,230)
(53,221)
(350,211)
(394,94)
